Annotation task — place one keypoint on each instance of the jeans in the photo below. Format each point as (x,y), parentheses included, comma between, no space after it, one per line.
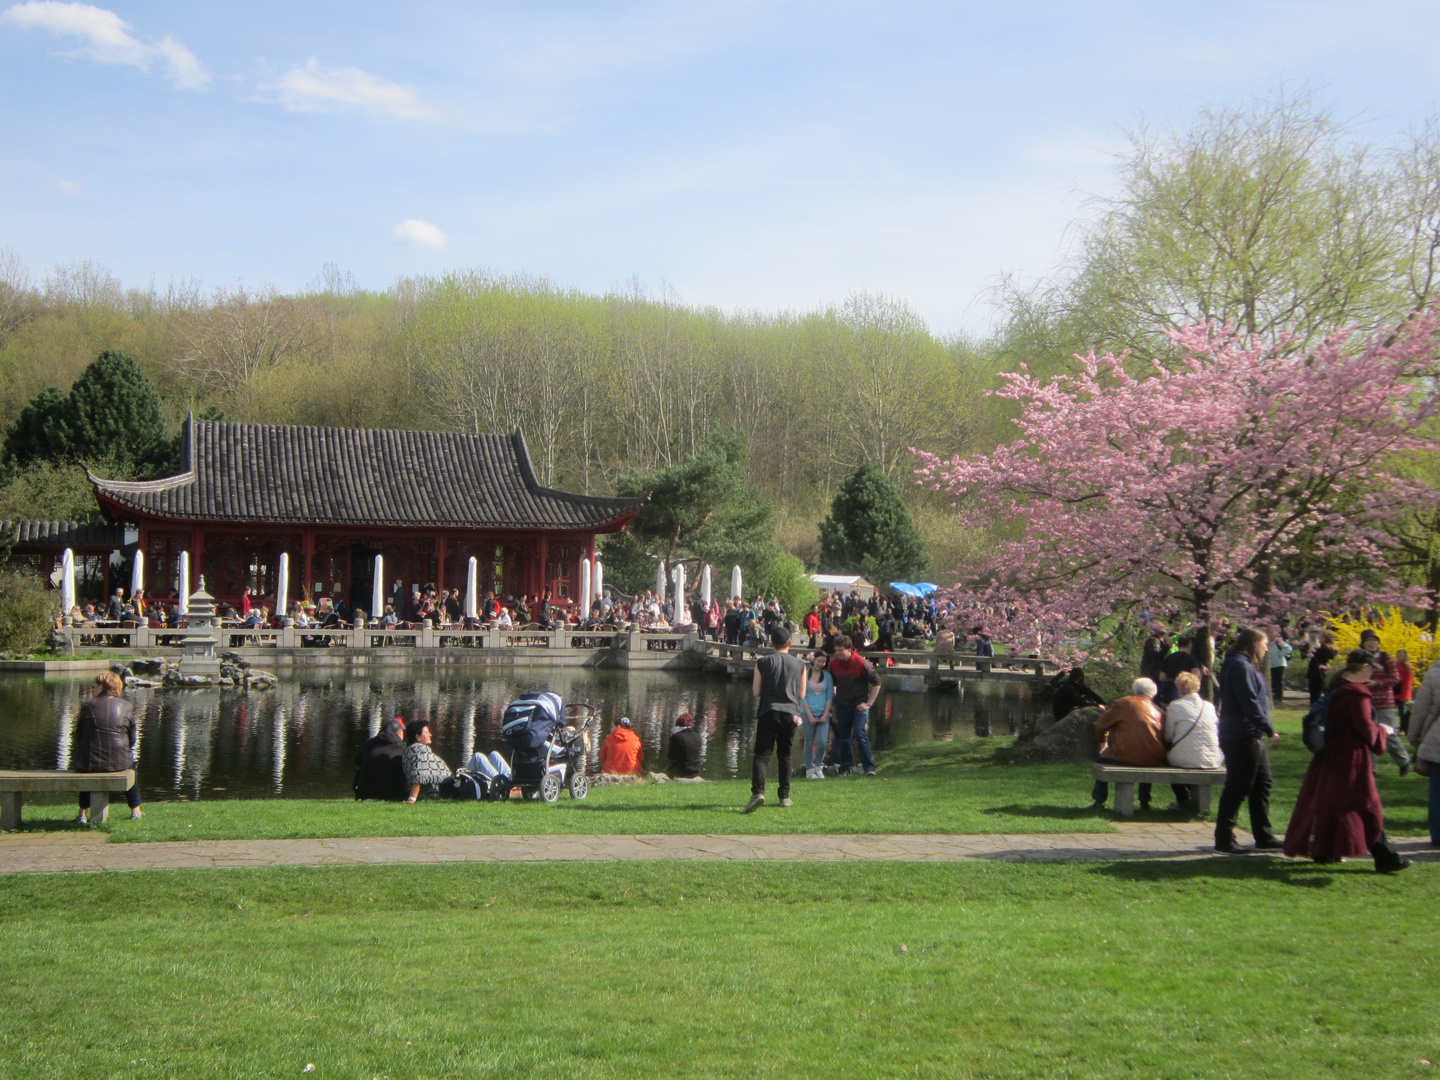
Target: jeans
(1394,745)
(1435,802)
(817,741)
(1101,791)
(1248,777)
(773,731)
(1277,684)
(132,797)
(491,766)
(852,733)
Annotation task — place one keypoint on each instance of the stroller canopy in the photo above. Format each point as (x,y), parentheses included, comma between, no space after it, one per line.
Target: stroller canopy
(531,719)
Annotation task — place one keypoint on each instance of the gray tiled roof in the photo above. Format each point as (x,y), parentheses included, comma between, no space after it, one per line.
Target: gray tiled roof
(359,476)
(62,534)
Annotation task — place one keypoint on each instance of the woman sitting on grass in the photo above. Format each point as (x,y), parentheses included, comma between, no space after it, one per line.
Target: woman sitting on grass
(423,767)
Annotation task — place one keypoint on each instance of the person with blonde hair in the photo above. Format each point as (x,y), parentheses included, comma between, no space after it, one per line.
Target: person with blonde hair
(1192,736)
(105,739)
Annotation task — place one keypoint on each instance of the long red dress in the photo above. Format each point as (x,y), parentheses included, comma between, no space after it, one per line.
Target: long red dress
(1338,814)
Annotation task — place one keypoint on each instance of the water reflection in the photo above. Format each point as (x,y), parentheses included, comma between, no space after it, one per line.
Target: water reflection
(299,740)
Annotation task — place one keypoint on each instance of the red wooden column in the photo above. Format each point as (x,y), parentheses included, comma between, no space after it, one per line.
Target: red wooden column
(441,550)
(307,558)
(542,558)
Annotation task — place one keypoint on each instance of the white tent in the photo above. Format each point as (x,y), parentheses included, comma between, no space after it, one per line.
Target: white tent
(377,592)
(599,580)
(682,613)
(660,582)
(184,583)
(735,583)
(584,596)
(67,581)
(282,585)
(137,573)
(472,589)
(706,594)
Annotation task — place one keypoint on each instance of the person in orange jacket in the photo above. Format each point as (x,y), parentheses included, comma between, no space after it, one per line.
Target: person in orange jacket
(621,753)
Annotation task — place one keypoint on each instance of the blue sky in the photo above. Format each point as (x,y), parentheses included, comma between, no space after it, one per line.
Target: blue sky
(745,155)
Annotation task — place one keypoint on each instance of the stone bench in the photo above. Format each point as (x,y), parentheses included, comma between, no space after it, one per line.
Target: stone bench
(14,785)
(1125,777)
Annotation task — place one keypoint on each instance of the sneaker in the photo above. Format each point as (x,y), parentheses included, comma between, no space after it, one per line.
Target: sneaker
(869,772)
(1229,847)
(136,814)
(1098,804)
(1268,845)
(756,801)
(1400,862)
(785,801)
(80,819)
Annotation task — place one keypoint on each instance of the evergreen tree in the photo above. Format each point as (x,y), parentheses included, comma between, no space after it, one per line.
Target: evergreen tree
(701,509)
(43,431)
(111,414)
(869,530)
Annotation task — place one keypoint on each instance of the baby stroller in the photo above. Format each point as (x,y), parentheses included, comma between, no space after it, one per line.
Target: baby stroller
(550,743)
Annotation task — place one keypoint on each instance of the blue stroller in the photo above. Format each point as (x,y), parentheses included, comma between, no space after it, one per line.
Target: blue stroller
(550,741)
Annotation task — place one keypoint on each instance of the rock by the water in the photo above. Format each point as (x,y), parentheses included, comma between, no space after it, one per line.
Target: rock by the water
(138,683)
(174,678)
(234,658)
(149,665)
(1072,739)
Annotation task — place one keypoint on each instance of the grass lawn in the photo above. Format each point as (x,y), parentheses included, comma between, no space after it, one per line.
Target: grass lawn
(1214,969)
(966,786)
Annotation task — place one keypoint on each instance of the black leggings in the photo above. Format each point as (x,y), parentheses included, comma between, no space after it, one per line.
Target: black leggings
(132,797)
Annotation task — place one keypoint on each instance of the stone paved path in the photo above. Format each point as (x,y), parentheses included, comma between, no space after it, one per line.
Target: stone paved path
(89,852)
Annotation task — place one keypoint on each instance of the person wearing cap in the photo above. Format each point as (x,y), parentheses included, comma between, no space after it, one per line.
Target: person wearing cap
(686,749)
(622,754)
(779,682)
(1338,813)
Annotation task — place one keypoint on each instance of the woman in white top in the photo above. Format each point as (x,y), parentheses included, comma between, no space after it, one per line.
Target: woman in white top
(1192,735)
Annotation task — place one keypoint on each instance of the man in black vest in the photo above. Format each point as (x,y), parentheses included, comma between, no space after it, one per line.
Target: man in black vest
(779,683)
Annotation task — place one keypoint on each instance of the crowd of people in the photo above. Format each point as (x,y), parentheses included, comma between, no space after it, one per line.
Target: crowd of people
(1173,718)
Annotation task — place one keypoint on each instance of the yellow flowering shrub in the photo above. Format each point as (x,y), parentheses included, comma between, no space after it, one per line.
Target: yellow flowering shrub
(1396,633)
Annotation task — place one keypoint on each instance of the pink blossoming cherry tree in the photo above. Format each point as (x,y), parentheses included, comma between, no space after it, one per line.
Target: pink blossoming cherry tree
(1235,479)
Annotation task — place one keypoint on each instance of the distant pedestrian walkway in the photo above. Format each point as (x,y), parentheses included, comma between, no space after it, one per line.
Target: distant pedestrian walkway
(89,853)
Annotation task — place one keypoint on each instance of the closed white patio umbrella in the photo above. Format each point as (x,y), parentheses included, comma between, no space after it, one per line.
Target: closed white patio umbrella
(735,583)
(377,591)
(682,613)
(282,585)
(706,593)
(184,583)
(137,573)
(598,582)
(660,582)
(67,581)
(584,595)
(472,589)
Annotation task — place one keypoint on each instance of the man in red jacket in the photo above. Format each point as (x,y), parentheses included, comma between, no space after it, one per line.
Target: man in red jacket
(1384,678)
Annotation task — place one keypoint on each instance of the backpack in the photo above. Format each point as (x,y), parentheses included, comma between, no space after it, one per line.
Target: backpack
(1312,729)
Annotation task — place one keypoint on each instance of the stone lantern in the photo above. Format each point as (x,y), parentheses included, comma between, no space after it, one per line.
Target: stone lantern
(200,640)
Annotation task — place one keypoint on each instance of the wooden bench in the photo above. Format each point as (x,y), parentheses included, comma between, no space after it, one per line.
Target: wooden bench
(14,785)
(1125,777)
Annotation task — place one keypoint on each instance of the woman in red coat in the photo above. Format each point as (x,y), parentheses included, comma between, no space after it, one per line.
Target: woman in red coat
(1338,814)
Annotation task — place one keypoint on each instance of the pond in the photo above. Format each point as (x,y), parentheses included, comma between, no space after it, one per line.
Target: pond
(300,739)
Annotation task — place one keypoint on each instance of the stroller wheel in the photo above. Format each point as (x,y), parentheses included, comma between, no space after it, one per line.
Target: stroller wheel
(550,787)
(579,785)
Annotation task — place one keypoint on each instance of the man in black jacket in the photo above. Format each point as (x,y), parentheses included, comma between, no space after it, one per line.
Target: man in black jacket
(381,772)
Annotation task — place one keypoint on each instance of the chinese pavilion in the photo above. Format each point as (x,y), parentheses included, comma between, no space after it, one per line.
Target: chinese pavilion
(334,498)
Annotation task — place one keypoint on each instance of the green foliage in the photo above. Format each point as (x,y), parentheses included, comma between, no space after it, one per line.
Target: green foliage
(54,491)
(869,531)
(789,582)
(112,413)
(702,509)
(27,612)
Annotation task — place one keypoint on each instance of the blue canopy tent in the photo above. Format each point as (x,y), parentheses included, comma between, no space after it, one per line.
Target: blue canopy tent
(906,589)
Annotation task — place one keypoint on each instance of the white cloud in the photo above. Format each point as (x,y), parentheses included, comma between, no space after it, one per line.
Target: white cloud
(107,39)
(419,234)
(309,89)
(70,187)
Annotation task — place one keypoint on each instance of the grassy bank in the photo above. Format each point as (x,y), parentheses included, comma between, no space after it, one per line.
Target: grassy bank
(966,786)
(1256,969)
